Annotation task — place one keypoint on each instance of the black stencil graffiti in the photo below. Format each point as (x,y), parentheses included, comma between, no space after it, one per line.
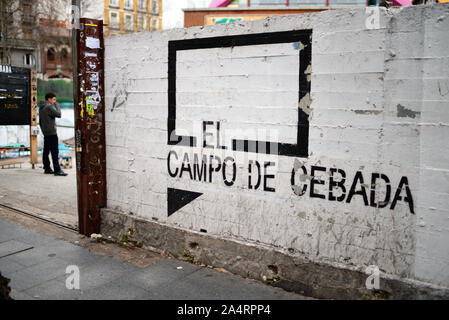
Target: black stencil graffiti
(300,148)
(265,177)
(178,198)
(337,184)
(202,168)
(205,167)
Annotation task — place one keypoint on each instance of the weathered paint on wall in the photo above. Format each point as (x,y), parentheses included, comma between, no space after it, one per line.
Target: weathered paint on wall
(372,187)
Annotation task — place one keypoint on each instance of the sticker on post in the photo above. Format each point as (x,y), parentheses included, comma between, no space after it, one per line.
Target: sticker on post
(93,78)
(92,100)
(90,103)
(34,130)
(92,43)
(82,110)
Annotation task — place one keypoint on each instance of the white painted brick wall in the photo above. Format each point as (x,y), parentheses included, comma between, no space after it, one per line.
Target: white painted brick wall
(379,105)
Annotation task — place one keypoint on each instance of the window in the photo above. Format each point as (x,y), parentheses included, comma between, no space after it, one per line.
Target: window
(113,21)
(113,3)
(141,23)
(153,24)
(27,34)
(5,59)
(64,55)
(51,54)
(142,5)
(129,4)
(129,22)
(28,19)
(155,6)
(28,60)
(27,15)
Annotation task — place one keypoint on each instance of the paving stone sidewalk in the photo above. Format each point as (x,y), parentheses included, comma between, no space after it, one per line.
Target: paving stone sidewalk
(36,265)
(33,191)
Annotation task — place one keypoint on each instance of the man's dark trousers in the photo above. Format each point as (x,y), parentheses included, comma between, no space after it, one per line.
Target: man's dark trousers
(51,145)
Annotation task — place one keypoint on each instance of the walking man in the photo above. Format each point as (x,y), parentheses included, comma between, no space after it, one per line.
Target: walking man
(49,110)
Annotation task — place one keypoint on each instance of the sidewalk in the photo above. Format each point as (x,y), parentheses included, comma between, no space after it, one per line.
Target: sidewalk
(36,264)
(33,191)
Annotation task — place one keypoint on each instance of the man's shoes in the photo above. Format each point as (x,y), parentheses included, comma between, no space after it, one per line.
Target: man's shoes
(60,173)
(48,171)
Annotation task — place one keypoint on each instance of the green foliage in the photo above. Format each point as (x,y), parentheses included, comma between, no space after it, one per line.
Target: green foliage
(187,256)
(124,238)
(62,89)
(273,280)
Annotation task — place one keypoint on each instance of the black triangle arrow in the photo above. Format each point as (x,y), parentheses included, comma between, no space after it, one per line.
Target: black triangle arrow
(178,198)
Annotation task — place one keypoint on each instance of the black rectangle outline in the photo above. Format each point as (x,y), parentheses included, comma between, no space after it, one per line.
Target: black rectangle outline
(300,149)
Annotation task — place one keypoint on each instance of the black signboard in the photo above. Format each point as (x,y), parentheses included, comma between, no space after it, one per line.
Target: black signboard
(15,108)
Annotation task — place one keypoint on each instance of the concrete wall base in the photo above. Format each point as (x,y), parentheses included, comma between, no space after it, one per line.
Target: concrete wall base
(288,270)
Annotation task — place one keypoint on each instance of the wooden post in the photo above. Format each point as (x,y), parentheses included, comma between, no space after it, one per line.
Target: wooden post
(33,128)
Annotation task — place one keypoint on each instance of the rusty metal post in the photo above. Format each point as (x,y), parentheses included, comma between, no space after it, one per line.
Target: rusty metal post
(33,124)
(76,5)
(90,125)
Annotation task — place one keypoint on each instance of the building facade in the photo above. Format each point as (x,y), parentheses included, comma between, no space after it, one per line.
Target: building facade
(127,16)
(36,37)
(18,34)
(55,50)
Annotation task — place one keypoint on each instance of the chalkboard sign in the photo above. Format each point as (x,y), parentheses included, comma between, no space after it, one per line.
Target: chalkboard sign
(15,106)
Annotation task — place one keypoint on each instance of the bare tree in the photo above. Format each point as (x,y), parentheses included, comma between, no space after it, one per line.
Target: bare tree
(19,21)
(54,9)
(11,13)
(92,9)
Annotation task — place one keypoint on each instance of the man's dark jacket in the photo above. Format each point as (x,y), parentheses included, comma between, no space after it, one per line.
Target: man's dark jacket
(47,114)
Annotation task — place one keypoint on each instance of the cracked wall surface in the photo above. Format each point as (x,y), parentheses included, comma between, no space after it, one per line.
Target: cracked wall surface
(373,187)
